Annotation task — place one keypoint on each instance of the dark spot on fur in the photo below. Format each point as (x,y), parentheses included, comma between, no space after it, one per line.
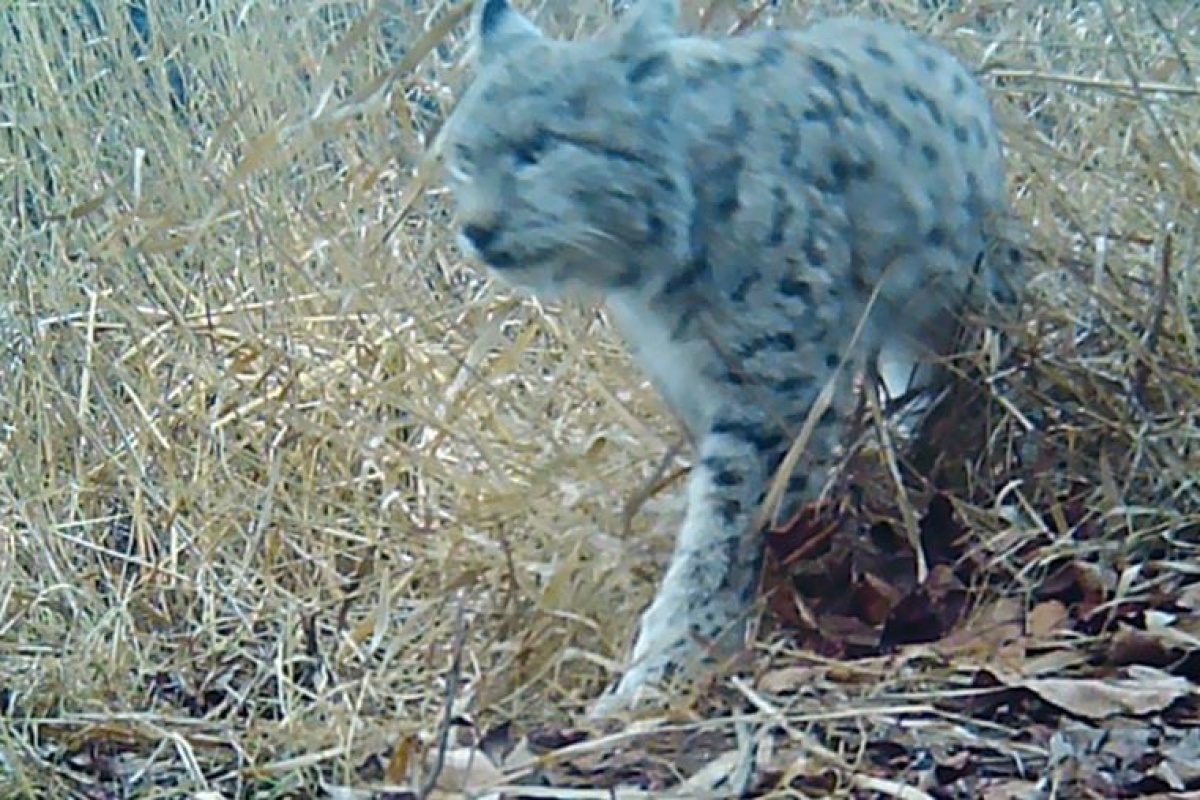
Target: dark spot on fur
(936,237)
(755,434)
(818,112)
(685,322)
(929,153)
(881,56)
(656,229)
(791,147)
(778,342)
(860,94)
(796,383)
(769,56)
(824,71)
(917,97)
(840,170)
(727,477)
(793,287)
(974,200)
(712,71)
(529,151)
(738,295)
(733,377)
(647,68)
(960,133)
(844,171)
(723,186)
(958,86)
(730,511)
(696,270)
(781,216)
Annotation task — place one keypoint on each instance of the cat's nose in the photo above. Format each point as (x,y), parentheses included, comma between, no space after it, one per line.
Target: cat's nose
(480,236)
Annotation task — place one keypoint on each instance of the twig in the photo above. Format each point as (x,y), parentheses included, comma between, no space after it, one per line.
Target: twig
(749,18)
(1107,84)
(658,480)
(1142,373)
(453,676)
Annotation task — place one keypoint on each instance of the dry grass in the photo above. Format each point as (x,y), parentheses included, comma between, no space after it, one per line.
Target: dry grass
(283,474)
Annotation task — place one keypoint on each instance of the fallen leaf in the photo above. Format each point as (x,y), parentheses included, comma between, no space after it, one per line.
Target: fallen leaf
(990,629)
(465,770)
(873,599)
(788,679)
(1009,790)
(1097,698)
(1046,618)
(1189,597)
(1053,662)
(928,612)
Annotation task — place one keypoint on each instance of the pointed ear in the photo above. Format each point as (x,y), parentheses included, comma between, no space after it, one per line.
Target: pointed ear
(649,21)
(497,28)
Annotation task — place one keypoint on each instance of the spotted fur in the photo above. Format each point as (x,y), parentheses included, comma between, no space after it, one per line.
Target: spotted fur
(739,204)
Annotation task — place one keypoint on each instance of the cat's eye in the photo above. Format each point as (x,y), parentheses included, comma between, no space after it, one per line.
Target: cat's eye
(530,151)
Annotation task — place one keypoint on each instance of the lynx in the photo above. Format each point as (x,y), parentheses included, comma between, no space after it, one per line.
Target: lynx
(764,216)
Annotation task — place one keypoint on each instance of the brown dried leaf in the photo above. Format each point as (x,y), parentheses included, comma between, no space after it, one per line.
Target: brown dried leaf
(789,679)
(1082,586)
(873,599)
(1145,691)
(1054,662)
(1047,618)
(990,629)
(1155,648)
(929,612)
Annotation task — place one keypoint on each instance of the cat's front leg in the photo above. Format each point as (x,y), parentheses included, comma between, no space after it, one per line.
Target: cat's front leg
(703,605)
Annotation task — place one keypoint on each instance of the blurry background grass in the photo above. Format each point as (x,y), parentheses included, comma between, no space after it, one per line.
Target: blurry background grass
(266,436)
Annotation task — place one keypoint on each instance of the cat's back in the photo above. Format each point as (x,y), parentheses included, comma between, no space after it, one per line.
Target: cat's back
(848,133)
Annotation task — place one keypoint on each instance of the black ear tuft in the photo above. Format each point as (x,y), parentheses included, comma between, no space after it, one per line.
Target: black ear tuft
(491,14)
(498,28)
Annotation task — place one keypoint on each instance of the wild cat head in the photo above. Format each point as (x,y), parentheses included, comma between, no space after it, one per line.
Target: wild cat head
(562,174)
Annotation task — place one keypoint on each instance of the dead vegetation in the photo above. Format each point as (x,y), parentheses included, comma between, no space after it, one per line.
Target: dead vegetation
(295,504)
